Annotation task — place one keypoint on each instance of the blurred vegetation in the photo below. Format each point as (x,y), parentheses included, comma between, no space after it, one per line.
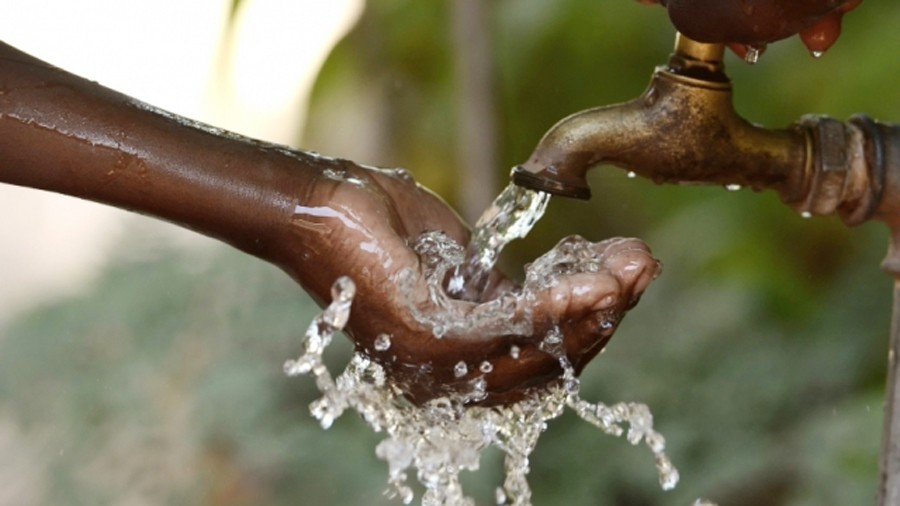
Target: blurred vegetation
(761,349)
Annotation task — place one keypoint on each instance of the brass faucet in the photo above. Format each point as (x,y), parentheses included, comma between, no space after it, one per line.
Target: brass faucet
(684,129)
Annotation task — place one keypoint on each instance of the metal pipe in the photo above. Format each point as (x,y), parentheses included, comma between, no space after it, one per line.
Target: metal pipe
(682,129)
(889,468)
(883,155)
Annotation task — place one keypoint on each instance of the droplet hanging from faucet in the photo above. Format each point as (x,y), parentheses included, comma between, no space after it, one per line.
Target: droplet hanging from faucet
(752,55)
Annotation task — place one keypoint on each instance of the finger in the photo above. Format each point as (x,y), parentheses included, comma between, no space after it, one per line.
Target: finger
(633,265)
(579,294)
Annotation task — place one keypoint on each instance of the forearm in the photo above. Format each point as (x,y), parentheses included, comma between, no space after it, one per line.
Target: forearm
(62,133)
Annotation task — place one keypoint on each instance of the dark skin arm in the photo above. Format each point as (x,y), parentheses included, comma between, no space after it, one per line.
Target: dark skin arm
(759,22)
(314,217)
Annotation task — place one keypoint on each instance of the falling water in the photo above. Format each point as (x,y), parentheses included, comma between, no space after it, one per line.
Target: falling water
(446,435)
(437,440)
(511,216)
(752,55)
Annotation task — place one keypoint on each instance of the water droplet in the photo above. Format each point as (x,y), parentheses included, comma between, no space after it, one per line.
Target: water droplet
(732,187)
(817,54)
(651,96)
(514,352)
(752,55)
(500,496)
(382,342)
(631,174)
(457,283)
(668,475)
(460,369)
(486,367)
(572,386)
(607,324)
(806,215)
(479,390)
(400,173)
(292,368)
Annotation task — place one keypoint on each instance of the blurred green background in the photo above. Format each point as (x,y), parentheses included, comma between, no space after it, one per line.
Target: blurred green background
(761,349)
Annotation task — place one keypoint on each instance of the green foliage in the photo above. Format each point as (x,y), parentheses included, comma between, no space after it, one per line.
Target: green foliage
(760,349)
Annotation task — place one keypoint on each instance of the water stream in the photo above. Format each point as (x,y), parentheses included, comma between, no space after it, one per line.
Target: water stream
(511,216)
(437,440)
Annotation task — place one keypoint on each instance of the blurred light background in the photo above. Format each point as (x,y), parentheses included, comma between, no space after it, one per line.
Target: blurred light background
(142,365)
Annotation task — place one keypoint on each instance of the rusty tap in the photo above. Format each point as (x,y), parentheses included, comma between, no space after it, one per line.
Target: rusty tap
(684,129)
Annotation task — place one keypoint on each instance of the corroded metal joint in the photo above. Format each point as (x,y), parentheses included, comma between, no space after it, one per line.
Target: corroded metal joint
(845,168)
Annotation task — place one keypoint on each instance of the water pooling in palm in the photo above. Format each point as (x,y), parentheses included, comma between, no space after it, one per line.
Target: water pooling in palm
(447,434)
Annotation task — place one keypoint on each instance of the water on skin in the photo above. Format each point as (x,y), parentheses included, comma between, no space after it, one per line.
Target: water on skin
(436,441)
(507,314)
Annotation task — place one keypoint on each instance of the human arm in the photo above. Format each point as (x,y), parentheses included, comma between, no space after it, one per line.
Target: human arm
(317,219)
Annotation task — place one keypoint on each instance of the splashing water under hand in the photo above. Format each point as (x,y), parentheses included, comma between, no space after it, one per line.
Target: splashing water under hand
(444,436)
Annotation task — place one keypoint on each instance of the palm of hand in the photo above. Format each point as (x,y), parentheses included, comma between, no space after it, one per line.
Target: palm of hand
(372,220)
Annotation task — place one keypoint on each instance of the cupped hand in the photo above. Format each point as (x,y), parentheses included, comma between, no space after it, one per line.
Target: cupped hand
(742,23)
(388,234)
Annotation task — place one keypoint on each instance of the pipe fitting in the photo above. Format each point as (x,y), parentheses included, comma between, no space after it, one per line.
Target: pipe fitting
(845,171)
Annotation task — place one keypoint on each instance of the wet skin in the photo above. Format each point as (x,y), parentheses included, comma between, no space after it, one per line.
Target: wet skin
(314,217)
(368,218)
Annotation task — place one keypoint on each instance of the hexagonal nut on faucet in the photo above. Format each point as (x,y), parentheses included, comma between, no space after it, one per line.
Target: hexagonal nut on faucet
(836,172)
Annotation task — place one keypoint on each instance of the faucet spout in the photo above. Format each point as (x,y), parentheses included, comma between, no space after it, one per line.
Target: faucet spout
(682,129)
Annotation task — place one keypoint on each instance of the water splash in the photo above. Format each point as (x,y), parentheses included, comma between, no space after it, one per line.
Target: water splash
(439,254)
(382,342)
(511,216)
(443,437)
